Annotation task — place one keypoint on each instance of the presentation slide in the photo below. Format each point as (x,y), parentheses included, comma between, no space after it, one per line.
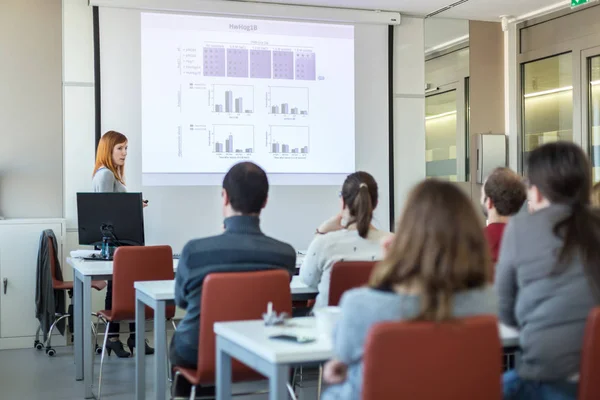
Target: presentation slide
(217,91)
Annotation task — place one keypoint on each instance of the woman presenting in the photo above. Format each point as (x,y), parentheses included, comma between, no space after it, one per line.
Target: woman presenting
(109,177)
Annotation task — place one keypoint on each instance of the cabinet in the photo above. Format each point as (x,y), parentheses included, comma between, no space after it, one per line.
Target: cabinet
(19,243)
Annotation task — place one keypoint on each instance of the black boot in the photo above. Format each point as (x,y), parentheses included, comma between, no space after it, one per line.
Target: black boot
(117,347)
(131,345)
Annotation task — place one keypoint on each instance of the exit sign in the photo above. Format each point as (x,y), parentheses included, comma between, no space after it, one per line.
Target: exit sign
(575,3)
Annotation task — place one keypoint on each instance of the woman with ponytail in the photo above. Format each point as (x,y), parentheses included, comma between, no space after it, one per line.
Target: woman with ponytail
(548,273)
(348,236)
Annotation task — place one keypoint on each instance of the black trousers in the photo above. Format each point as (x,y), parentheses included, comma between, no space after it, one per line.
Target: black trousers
(183,386)
(114,326)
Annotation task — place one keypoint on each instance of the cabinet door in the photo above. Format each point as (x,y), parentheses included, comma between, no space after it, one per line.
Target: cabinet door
(18,263)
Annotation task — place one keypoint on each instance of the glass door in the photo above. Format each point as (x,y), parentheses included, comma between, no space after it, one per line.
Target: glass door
(446,133)
(547,86)
(441,136)
(593,112)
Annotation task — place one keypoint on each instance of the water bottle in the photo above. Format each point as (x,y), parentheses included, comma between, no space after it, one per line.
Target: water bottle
(105,250)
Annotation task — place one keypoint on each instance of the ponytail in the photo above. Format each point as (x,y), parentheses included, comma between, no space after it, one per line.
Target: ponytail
(363,208)
(580,232)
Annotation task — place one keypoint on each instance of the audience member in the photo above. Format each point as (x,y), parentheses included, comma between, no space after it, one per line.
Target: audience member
(242,247)
(502,196)
(547,276)
(347,236)
(435,269)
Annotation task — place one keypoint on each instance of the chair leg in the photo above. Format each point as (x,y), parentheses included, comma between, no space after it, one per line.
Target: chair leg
(56,321)
(174,384)
(169,369)
(294,375)
(97,330)
(292,392)
(104,351)
(320,382)
(193,393)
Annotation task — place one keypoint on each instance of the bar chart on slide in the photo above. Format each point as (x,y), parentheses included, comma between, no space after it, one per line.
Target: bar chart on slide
(238,99)
(288,100)
(234,139)
(289,140)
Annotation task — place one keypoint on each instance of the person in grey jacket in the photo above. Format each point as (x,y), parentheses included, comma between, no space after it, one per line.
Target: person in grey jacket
(547,276)
(109,176)
(440,239)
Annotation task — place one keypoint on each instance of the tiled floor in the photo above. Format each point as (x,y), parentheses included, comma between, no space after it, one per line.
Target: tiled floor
(31,374)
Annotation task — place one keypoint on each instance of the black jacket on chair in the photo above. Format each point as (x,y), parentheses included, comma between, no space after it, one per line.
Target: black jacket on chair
(48,302)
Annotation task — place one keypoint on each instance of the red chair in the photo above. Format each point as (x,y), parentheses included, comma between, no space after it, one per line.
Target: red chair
(589,384)
(134,264)
(346,275)
(427,360)
(58,284)
(253,291)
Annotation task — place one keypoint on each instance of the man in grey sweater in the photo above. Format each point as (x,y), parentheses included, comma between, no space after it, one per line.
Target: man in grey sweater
(242,247)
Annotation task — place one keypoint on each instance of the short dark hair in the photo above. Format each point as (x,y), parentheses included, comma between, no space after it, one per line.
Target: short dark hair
(506,190)
(247,186)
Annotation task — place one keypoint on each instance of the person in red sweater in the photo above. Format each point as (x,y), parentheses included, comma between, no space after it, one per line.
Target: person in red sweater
(502,195)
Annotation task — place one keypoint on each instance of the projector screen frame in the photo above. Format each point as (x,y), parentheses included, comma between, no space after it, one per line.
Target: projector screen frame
(245,9)
(391,30)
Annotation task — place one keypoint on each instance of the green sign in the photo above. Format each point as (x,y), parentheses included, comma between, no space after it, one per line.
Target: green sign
(575,3)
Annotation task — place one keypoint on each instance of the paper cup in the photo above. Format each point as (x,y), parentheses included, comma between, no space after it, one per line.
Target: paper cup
(326,319)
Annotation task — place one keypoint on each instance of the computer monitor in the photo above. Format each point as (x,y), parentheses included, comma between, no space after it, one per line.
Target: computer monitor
(106,214)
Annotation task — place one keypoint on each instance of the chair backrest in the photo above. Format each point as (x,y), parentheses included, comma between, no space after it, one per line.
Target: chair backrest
(53,263)
(589,384)
(138,263)
(237,296)
(427,360)
(346,275)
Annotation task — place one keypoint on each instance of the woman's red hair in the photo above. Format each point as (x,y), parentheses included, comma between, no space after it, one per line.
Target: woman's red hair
(104,158)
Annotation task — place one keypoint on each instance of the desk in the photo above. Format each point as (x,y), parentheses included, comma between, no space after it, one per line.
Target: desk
(154,294)
(83,274)
(248,341)
(157,294)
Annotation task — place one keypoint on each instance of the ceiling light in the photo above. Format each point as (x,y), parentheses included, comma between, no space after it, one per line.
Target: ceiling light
(551,91)
(442,115)
(594,83)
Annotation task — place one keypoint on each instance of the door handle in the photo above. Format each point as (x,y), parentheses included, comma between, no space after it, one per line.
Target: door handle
(5,284)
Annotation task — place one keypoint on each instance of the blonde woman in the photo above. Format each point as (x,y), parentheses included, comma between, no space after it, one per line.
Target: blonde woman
(109,176)
(436,268)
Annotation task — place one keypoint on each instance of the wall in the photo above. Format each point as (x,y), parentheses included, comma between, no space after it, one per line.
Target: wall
(409,108)
(79,117)
(486,70)
(31,140)
(486,83)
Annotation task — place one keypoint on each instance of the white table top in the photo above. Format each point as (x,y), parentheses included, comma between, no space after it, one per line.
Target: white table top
(157,290)
(509,336)
(165,290)
(97,267)
(105,267)
(254,336)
